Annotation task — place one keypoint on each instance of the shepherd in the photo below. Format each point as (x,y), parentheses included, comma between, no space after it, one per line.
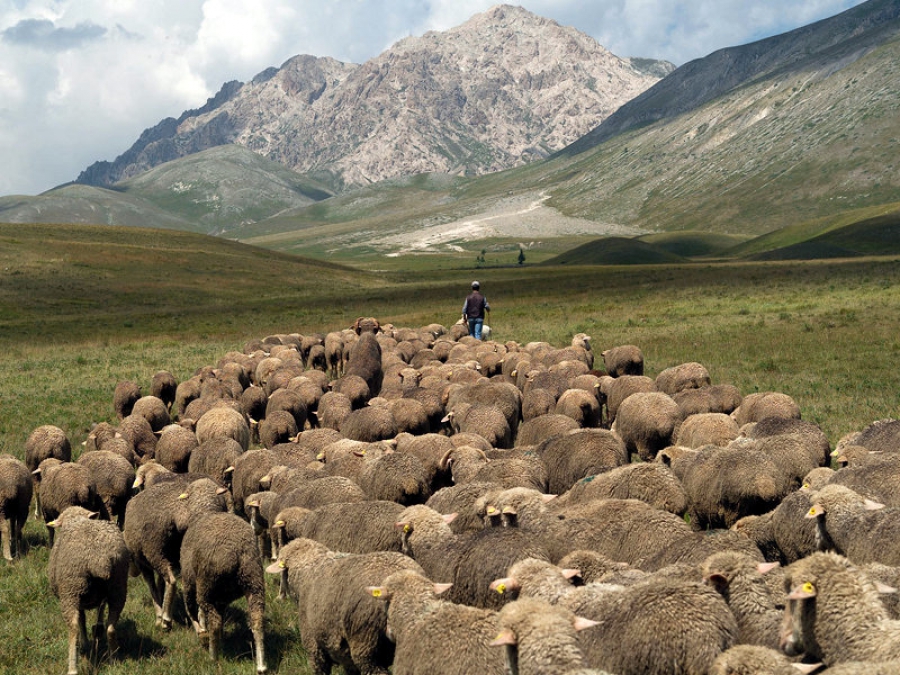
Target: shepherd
(473,310)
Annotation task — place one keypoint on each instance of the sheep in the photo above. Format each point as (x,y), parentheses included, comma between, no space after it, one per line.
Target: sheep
(623,360)
(260,508)
(742,659)
(469,561)
(352,527)
(537,402)
(580,405)
(863,530)
(646,422)
(726,484)
(224,422)
(219,564)
(540,638)
(739,579)
(706,429)
(487,421)
(327,490)
(468,501)
(163,385)
(879,436)
(66,484)
(691,375)
(174,448)
(502,395)
(834,614)
(137,430)
(155,522)
(580,453)
(292,402)
(341,624)
(593,567)
(814,438)
(215,457)
(153,410)
(369,424)
(125,395)
(278,427)
(365,355)
(615,390)
(792,453)
(433,635)
(113,478)
(333,408)
(16,488)
(539,429)
(334,353)
(759,405)
(396,477)
(876,477)
(662,625)
(650,482)
(44,442)
(88,569)
(714,398)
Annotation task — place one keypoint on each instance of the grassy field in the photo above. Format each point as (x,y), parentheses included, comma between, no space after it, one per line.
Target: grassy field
(82,308)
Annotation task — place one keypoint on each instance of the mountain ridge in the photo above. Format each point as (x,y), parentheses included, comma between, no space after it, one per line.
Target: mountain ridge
(501,89)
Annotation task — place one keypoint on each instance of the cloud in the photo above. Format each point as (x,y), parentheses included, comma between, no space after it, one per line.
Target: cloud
(42,34)
(81,79)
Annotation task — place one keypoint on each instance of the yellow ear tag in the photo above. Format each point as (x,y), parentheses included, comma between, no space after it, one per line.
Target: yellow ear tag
(491,510)
(183,495)
(281,564)
(809,588)
(376,592)
(406,528)
(501,588)
(812,511)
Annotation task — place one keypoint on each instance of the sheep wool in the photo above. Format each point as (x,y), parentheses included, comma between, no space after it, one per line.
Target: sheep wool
(16,488)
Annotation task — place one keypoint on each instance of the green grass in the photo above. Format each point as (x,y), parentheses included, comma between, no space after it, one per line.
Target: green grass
(82,308)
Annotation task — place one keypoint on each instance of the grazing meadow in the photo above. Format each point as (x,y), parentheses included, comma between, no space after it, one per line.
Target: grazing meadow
(82,308)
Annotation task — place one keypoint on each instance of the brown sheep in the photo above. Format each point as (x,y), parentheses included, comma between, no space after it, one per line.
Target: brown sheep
(88,569)
(219,564)
(43,443)
(16,487)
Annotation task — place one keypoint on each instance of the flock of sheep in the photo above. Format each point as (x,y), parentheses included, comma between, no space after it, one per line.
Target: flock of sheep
(437,504)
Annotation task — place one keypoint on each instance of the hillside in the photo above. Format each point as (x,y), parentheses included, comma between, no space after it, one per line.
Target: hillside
(504,88)
(88,281)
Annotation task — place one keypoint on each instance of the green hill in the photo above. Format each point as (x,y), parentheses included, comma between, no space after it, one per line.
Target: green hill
(616,251)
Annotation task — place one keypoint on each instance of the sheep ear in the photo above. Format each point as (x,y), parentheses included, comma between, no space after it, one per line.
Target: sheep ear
(449,517)
(548,498)
(717,580)
(93,515)
(230,469)
(221,490)
(580,623)
(765,568)
(884,588)
(377,592)
(442,588)
(506,637)
(803,592)
(53,523)
(276,567)
(807,667)
(872,505)
(815,510)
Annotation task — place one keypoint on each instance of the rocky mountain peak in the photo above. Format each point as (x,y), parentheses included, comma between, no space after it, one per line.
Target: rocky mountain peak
(503,88)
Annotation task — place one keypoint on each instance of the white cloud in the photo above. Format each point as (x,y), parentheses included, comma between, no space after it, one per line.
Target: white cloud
(81,79)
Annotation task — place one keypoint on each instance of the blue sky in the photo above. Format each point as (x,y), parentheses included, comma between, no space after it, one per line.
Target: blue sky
(81,79)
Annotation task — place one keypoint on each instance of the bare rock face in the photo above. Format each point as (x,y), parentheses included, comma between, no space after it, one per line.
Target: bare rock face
(504,88)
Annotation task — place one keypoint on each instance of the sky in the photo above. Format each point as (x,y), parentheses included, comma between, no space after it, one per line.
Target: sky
(81,79)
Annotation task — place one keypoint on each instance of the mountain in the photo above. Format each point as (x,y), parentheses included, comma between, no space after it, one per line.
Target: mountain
(504,88)
(210,192)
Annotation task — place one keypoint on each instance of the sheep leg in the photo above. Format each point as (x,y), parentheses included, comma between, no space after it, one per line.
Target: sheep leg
(76,627)
(6,528)
(97,632)
(256,607)
(112,618)
(168,597)
(214,621)
(153,584)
